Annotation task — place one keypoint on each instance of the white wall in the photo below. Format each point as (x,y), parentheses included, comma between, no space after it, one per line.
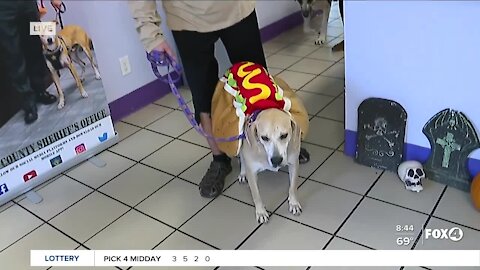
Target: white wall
(112,30)
(423,54)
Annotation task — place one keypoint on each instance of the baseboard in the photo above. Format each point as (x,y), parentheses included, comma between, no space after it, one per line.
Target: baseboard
(411,152)
(157,89)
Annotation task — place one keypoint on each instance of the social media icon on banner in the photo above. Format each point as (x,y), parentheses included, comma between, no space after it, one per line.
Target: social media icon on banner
(30,175)
(80,149)
(3,188)
(104,137)
(56,161)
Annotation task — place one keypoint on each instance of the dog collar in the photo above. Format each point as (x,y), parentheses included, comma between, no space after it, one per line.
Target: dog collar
(54,57)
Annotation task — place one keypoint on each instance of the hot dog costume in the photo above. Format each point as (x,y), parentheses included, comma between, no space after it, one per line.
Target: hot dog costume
(246,88)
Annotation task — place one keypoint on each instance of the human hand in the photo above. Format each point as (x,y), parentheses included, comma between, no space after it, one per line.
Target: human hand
(56,3)
(165,47)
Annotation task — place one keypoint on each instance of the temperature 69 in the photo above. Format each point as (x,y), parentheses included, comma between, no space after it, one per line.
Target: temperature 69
(404,241)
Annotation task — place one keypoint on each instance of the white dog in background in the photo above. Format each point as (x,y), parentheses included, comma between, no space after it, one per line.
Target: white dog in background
(315,18)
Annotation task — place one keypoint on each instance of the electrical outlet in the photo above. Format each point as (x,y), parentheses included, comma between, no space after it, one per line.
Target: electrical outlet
(125,65)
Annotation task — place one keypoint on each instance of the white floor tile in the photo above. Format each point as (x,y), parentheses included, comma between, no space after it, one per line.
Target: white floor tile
(457,206)
(17,222)
(274,71)
(296,80)
(314,103)
(324,132)
(140,145)
(336,71)
(326,54)
(273,47)
(224,223)
(137,231)
(147,115)
(175,157)
(175,203)
(170,100)
(134,185)
(341,171)
(391,189)
(282,234)
(297,50)
(325,86)
(43,238)
(334,110)
(368,225)
(57,196)
(89,216)
(281,61)
(317,201)
(194,137)
(318,155)
(124,129)
(173,124)
(311,66)
(94,176)
(273,189)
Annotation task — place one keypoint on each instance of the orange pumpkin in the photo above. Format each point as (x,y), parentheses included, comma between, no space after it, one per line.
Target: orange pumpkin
(475,191)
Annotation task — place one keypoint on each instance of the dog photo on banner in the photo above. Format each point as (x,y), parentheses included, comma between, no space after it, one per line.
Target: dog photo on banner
(64,112)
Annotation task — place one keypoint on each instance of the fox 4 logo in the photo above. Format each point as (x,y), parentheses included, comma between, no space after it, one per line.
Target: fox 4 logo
(454,234)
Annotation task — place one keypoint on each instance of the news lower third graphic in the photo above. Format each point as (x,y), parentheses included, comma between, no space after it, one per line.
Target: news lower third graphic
(286,258)
(406,235)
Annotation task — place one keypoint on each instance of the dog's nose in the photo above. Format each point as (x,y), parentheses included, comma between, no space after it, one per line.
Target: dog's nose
(276,161)
(50,40)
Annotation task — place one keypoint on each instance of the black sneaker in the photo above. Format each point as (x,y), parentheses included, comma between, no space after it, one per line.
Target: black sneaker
(214,180)
(46,98)
(30,109)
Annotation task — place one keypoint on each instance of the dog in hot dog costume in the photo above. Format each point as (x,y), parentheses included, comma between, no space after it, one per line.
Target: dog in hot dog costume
(245,89)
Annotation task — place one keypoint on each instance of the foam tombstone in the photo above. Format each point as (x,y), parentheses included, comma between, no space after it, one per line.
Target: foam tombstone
(380,133)
(452,138)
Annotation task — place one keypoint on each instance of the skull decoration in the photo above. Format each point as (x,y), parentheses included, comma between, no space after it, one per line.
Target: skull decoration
(412,174)
(380,127)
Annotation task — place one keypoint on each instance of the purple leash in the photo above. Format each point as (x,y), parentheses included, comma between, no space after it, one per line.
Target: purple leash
(162,59)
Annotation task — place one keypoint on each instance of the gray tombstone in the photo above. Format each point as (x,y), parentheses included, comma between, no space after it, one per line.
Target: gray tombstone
(380,133)
(452,138)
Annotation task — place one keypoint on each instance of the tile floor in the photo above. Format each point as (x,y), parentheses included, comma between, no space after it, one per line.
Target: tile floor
(147,195)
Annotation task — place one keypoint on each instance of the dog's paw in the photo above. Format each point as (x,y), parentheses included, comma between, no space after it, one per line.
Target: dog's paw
(294,207)
(61,104)
(84,94)
(262,215)
(320,40)
(242,179)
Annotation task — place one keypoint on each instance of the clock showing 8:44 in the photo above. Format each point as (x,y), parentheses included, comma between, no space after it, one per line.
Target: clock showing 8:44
(404,228)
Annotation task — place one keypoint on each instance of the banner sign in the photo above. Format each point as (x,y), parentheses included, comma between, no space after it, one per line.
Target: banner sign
(59,135)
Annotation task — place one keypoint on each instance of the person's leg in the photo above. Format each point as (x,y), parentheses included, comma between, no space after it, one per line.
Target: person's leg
(37,68)
(243,43)
(201,70)
(13,57)
(340,46)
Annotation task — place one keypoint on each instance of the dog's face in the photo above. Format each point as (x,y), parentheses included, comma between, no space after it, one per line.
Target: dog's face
(50,42)
(306,6)
(274,129)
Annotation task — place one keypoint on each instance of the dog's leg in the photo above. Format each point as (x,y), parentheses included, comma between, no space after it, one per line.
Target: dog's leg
(242,177)
(77,80)
(56,81)
(89,54)
(293,205)
(322,35)
(260,210)
(76,58)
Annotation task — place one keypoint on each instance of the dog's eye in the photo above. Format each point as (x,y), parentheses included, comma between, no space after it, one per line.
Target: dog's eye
(265,138)
(283,136)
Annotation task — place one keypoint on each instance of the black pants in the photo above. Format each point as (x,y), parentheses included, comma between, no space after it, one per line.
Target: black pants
(242,42)
(21,54)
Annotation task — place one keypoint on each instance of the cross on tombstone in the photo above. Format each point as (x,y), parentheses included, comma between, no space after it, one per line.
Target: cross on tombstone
(449,145)
(452,138)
